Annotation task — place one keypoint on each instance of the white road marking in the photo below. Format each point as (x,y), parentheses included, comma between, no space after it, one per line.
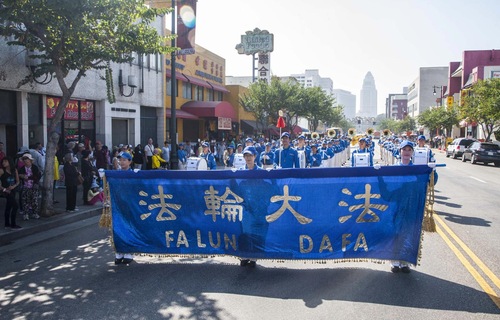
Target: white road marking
(477,179)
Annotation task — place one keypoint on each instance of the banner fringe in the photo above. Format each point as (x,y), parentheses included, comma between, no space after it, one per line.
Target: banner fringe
(428,223)
(105,220)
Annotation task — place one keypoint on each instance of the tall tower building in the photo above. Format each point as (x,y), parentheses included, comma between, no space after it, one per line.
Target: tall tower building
(368,97)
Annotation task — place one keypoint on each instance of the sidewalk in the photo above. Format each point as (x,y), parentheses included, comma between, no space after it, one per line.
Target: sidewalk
(61,217)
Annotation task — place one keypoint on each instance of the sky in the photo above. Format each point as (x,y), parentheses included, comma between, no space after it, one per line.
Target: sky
(344,39)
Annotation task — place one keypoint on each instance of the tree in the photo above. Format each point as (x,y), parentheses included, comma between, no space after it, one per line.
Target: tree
(482,105)
(407,124)
(72,37)
(389,124)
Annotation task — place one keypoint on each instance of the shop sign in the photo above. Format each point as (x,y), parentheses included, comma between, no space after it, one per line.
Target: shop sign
(224,123)
(71,112)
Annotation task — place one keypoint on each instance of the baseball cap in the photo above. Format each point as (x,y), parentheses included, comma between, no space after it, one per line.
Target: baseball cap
(285,134)
(406,143)
(421,137)
(248,139)
(205,145)
(250,150)
(125,155)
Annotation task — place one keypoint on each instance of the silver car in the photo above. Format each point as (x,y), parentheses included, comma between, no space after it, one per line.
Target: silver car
(457,147)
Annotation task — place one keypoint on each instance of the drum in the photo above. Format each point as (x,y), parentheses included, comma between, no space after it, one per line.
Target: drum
(302,158)
(361,159)
(194,163)
(239,161)
(421,156)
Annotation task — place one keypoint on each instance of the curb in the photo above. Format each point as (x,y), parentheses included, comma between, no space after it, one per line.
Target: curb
(44,224)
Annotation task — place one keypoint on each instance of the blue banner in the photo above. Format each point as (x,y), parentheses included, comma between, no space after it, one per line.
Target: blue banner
(298,214)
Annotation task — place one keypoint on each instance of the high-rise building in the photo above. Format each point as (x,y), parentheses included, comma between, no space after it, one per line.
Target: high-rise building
(347,100)
(311,78)
(368,97)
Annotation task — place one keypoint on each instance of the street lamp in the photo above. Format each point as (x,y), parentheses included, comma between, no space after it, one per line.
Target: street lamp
(441,94)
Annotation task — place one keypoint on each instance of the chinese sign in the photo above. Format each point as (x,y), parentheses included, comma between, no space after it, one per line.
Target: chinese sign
(298,214)
(224,123)
(71,112)
(256,41)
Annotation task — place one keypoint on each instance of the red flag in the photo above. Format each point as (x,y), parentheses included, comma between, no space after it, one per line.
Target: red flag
(281,122)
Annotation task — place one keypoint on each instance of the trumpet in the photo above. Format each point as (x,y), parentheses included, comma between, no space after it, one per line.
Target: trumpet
(351,131)
(315,136)
(386,132)
(369,131)
(331,133)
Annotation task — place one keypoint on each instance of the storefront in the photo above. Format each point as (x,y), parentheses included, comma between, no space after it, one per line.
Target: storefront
(78,123)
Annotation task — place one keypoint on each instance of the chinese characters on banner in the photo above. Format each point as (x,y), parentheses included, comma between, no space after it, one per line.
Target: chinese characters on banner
(299,214)
(71,113)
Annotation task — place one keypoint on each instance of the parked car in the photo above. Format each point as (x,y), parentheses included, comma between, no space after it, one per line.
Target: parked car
(457,147)
(485,152)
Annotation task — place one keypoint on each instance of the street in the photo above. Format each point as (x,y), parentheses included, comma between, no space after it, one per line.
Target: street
(68,273)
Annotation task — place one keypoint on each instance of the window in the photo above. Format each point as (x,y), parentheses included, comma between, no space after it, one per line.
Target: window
(210,95)
(199,90)
(169,86)
(187,90)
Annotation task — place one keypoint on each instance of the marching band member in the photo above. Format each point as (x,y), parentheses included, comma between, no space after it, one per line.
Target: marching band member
(301,146)
(362,149)
(315,157)
(267,157)
(421,144)
(125,162)
(208,156)
(239,148)
(286,157)
(229,157)
(181,154)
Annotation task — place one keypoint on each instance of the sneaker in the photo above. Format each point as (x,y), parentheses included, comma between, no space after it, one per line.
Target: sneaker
(252,264)
(127,261)
(118,261)
(395,269)
(36,216)
(26,217)
(244,262)
(16,227)
(405,269)
(71,210)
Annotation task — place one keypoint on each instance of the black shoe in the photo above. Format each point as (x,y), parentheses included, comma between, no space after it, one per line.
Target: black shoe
(405,269)
(244,262)
(7,226)
(252,264)
(118,261)
(16,227)
(395,269)
(127,261)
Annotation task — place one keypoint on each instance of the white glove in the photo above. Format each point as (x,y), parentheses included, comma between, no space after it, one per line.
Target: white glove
(376,166)
(431,164)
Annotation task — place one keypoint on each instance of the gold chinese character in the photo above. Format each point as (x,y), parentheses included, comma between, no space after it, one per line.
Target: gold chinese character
(367,206)
(230,204)
(286,205)
(163,205)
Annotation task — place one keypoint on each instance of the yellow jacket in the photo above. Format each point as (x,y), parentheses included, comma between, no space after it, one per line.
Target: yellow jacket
(157,161)
(56,169)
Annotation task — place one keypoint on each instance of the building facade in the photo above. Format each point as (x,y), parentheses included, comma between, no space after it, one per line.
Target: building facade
(421,91)
(347,100)
(368,97)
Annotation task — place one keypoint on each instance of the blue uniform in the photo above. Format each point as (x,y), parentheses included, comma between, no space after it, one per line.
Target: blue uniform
(315,159)
(266,158)
(181,154)
(230,160)
(289,158)
(211,164)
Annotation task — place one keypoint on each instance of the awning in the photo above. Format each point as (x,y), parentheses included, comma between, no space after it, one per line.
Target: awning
(469,82)
(197,81)
(218,87)
(210,109)
(178,75)
(254,124)
(180,114)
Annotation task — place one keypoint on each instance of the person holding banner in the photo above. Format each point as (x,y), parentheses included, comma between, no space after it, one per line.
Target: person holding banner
(208,156)
(125,161)
(286,157)
(249,153)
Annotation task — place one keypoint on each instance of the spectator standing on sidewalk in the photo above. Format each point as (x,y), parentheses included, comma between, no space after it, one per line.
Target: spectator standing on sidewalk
(100,156)
(165,154)
(138,157)
(30,175)
(10,180)
(2,153)
(88,173)
(71,181)
(149,150)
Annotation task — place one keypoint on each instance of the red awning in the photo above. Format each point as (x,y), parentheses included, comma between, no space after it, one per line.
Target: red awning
(178,75)
(218,87)
(197,81)
(210,109)
(297,130)
(180,114)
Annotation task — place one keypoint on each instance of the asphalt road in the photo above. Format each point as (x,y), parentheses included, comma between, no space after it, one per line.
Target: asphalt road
(68,273)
